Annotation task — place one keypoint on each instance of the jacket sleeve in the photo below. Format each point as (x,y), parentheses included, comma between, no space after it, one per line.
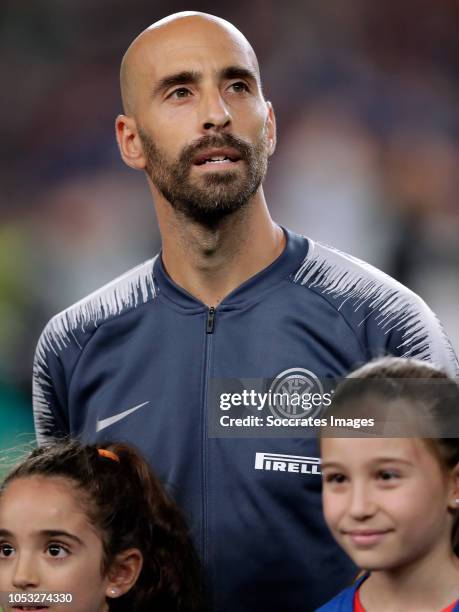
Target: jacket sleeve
(387,317)
(418,333)
(49,391)
(64,339)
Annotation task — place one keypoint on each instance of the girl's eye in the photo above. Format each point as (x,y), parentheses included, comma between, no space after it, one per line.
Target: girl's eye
(6,551)
(336,478)
(388,475)
(57,551)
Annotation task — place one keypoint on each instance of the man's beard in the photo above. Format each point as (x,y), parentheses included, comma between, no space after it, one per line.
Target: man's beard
(214,195)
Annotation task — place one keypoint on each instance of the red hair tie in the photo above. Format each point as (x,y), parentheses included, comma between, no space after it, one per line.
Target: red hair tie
(106,453)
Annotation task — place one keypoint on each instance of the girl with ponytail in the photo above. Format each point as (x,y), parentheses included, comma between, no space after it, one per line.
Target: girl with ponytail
(94,523)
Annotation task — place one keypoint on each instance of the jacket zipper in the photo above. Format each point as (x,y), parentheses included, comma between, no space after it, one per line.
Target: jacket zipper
(210,321)
(210,326)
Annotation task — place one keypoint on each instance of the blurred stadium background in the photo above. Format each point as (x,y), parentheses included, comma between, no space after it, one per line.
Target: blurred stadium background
(367,102)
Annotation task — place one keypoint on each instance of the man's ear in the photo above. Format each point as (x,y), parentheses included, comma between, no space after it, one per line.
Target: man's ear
(127,136)
(270,128)
(123,572)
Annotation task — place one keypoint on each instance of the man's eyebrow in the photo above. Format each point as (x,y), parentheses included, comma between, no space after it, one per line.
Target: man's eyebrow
(186,77)
(238,72)
(179,78)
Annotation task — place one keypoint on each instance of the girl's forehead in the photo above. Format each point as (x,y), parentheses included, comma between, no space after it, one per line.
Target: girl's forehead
(42,500)
(37,484)
(351,451)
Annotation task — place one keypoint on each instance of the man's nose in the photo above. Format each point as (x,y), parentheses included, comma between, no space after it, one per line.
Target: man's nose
(215,114)
(362,505)
(25,572)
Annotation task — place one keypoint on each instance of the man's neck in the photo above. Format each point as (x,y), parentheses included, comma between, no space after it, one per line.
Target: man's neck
(210,262)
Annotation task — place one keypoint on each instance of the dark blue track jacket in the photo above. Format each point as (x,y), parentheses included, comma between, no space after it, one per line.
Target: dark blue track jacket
(133,362)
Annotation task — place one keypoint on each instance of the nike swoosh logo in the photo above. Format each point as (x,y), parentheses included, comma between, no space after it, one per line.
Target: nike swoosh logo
(103,423)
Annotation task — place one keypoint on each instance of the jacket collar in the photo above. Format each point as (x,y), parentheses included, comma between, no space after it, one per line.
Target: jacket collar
(252,290)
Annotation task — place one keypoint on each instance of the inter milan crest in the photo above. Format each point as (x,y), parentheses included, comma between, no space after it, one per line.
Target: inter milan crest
(292,394)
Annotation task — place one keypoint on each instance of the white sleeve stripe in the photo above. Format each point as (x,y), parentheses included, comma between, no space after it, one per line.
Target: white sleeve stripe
(392,305)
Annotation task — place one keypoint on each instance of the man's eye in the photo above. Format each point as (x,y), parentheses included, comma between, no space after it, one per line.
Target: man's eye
(239,87)
(6,551)
(57,551)
(181,92)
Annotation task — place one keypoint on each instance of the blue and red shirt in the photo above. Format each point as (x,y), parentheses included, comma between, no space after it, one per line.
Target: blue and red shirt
(349,600)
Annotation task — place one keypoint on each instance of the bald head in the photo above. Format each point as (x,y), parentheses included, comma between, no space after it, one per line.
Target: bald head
(158,43)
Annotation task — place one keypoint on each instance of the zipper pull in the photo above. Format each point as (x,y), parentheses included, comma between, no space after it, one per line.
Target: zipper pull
(210,321)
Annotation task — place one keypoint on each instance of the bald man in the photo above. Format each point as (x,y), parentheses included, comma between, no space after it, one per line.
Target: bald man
(231,296)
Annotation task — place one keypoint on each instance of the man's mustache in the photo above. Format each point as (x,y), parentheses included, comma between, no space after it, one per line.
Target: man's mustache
(227,140)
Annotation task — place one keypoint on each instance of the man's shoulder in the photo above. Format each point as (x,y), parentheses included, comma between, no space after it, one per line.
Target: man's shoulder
(354,286)
(338,274)
(126,292)
(379,309)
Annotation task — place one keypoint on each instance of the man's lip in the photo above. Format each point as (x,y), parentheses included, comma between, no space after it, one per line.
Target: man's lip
(229,152)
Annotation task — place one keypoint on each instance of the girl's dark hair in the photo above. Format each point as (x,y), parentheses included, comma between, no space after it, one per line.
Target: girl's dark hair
(426,389)
(130,508)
